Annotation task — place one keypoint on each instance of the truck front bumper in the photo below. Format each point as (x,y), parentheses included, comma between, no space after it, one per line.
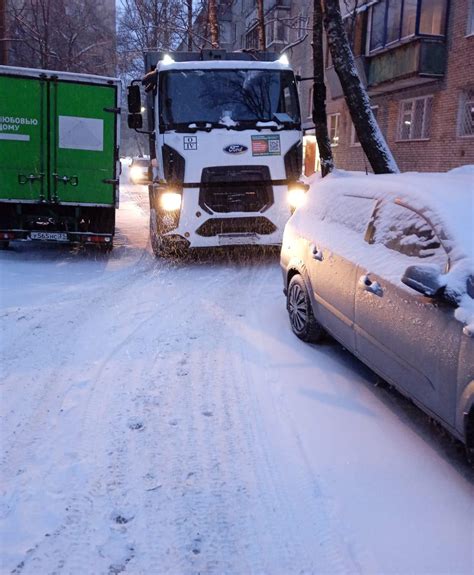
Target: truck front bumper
(199,228)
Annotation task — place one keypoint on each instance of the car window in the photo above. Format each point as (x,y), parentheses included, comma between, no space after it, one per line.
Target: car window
(351,211)
(143,163)
(407,232)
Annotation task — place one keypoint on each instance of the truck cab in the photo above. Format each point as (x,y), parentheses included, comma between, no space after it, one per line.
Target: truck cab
(225,146)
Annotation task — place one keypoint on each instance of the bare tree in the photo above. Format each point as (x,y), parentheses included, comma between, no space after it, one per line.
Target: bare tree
(319,93)
(365,124)
(147,25)
(73,35)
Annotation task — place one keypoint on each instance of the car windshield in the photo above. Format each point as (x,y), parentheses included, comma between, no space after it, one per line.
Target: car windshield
(141,163)
(228,98)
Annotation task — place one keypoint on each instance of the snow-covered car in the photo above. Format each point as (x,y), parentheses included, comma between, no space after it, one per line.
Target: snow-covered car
(138,170)
(384,263)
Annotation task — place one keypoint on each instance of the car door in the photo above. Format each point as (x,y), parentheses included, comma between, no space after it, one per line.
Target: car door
(333,269)
(411,340)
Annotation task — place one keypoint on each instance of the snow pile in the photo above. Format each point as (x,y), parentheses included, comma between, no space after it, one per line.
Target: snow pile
(335,214)
(226,120)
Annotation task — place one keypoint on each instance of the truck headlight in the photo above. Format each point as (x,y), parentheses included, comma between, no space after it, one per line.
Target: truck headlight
(170,201)
(297,195)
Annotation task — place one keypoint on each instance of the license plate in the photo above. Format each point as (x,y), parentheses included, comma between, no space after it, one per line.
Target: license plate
(49,236)
(238,239)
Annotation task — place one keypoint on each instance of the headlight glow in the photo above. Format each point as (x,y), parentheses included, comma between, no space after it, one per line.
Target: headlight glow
(136,173)
(170,201)
(296,196)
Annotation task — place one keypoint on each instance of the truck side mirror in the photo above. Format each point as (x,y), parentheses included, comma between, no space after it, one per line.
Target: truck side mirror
(135,121)
(134,99)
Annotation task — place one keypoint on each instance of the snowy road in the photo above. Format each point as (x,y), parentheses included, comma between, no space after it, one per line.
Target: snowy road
(160,417)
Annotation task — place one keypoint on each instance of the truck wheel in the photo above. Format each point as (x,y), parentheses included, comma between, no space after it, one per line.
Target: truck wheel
(4,244)
(300,311)
(157,243)
(106,248)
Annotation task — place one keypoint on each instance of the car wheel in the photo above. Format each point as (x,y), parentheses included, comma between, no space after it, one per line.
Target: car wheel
(300,311)
(4,244)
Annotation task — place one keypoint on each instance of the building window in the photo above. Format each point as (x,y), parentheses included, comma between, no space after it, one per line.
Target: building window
(310,102)
(433,17)
(354,138)
(251,39)
(300,26)
(470,20)
(415,118)
(334,129)
(277,30)
(394,20)
(466,114)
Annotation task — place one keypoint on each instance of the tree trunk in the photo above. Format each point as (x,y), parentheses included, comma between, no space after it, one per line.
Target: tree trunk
(371,139)
(262,41)
(3,34)
(213,25)
(190,24)
(319,94)
(166,30)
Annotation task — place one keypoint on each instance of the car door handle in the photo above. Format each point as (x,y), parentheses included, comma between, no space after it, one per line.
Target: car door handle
(316,253)
(371,286)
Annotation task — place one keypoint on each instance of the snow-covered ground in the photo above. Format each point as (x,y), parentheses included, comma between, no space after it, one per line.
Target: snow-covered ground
(160,417)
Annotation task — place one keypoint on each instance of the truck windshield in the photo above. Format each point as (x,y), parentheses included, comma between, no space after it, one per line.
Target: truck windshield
(228,98)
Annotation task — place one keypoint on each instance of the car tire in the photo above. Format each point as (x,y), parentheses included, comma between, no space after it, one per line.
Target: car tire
(4,244)
(300,311)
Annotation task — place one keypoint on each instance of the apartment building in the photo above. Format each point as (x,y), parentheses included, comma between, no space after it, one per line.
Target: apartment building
(414,58)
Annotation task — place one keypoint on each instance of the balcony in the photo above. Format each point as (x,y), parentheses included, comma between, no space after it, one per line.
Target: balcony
(407,64)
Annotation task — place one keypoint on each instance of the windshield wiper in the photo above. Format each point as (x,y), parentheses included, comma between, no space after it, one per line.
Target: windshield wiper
(189,127)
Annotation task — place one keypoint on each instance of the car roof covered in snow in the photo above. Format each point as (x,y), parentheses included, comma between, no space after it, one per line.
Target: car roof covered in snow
(446,199)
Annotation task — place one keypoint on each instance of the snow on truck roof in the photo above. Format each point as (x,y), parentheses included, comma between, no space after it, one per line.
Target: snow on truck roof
(446,199)
(68,76)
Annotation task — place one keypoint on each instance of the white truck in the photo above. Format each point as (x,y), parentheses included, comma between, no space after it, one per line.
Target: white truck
(225,148)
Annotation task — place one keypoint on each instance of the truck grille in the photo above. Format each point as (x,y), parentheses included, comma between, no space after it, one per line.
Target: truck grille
(216,226)
(228,189)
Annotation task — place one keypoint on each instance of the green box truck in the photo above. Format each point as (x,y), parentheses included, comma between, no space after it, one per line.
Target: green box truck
(59,156)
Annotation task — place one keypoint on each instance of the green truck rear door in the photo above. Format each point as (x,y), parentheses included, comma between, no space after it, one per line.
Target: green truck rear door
(23,125)
(82,144)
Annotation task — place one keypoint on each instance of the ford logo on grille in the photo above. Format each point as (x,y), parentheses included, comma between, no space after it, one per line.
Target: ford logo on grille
(235,149)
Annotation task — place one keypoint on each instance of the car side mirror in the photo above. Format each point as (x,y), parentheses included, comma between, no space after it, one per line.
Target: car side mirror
(134,99)
(135,121)
(425,279)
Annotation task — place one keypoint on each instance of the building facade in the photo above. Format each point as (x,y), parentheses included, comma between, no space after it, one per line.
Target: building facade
(414,58)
